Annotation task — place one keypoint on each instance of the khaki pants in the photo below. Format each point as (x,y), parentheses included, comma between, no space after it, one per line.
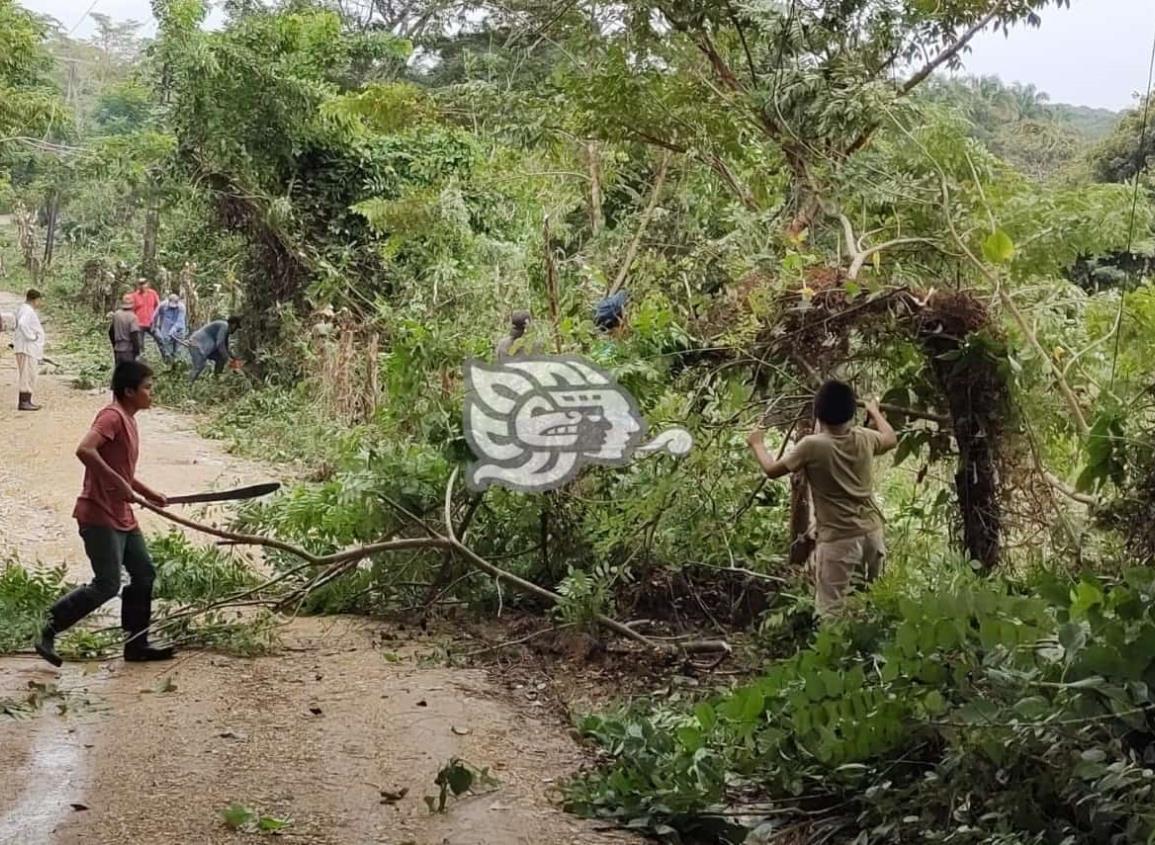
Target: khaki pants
(837,563)
(26,370)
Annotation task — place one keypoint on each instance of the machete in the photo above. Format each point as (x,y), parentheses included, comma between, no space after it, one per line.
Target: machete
(45,358)
(227,495)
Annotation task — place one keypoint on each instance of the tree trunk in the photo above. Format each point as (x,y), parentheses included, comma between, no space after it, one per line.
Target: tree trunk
(974,392)
(799,518)
(50,230)
(148,253)
(594,197)
(800,510)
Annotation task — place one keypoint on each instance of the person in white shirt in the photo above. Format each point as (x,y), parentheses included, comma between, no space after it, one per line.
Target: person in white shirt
(29,347)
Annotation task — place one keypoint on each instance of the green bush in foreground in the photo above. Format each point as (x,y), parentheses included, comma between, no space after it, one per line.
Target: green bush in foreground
(25,596)
(966,714)
(188,572)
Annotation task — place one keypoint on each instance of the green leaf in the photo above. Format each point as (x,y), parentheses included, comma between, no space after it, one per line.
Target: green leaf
(907,639)
(934,703)
(998,248)
(946,634)
(268,824)
(690,738)
(237,816)
(752,705)
(832,682)
(1032,708)
(815,689)
(706,716)
(1072,636)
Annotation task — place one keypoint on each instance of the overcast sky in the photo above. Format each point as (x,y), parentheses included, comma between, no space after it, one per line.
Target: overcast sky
(1095,54)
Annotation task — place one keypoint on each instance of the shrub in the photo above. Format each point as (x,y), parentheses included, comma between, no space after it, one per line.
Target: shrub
(970,712)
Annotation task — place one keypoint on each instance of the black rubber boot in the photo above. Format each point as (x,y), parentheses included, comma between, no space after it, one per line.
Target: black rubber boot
(46,646)
(135,616)
(25,403)
(146,653)
(67,611)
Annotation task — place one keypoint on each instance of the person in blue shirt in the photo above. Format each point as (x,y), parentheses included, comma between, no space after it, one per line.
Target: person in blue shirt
(170,325)
(211,343)
(609,313)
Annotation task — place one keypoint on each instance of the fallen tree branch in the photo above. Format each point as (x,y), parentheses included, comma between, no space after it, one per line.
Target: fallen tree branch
(858,255)
(433,542)
(941,419)
(635,244)
(523,585)
(1070,492)
(338,561)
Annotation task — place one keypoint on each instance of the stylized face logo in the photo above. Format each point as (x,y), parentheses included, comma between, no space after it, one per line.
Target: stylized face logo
(534,422)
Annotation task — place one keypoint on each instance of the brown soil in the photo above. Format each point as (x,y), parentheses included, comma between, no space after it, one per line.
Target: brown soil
(153,754)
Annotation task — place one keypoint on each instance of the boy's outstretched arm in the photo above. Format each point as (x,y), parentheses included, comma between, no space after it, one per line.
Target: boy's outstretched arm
(889,438)
(773,468)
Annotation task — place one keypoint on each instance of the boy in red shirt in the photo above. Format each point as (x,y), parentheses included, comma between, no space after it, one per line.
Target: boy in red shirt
(107,523)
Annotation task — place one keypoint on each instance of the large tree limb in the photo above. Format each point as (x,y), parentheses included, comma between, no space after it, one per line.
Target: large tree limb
(952,50)
(339,560)
(635,244)
(859,256)
(920,75)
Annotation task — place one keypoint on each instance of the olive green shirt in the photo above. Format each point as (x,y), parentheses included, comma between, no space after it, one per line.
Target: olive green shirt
(839,469)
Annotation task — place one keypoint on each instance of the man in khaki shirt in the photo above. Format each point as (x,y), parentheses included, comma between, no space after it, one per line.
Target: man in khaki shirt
(838,464)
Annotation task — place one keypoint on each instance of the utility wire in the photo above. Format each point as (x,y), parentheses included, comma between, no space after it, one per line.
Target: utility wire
(87,12)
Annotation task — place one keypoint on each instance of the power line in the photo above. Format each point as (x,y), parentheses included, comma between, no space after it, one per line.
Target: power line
(87,12)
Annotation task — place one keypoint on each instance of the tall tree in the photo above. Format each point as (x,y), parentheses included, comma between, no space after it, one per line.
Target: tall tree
(815,80)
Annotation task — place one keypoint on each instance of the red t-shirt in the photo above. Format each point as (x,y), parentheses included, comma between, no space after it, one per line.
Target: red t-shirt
(144,305)
(99,503)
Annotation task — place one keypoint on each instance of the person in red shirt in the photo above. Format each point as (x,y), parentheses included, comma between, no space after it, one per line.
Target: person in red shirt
(108,526)
(145,301)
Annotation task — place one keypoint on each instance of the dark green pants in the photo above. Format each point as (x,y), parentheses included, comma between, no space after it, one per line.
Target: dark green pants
(108,550)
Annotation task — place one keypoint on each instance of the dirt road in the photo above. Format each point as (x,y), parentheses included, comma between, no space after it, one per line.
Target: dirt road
(153,754)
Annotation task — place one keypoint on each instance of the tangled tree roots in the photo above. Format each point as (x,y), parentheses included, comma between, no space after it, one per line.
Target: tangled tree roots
(1133,514)
(949,330)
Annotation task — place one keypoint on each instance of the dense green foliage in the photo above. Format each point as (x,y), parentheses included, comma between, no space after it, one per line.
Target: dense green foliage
(24,597)
(958,711)
(189,573)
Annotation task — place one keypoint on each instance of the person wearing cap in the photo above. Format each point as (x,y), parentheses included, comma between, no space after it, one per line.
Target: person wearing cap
(171,326)
(124,331)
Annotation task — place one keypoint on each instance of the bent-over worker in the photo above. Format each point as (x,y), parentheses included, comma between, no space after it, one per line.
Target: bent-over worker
(211,343)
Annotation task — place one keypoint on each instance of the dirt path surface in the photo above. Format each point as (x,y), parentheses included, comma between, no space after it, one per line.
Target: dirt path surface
(153,754)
